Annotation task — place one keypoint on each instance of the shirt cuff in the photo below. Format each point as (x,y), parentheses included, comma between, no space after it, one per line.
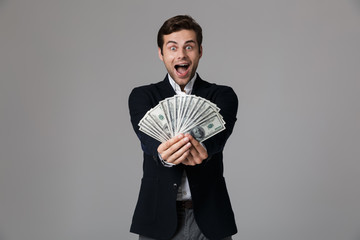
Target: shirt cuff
(166,164)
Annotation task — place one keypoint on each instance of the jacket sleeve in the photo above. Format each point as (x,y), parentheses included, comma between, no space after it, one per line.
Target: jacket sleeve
(227,101)
(140,101)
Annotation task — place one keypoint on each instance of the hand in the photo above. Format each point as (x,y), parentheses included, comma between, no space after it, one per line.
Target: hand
(175,150)
(197,153)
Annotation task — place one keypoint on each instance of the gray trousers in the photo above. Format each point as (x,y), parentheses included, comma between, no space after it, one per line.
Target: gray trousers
(187,228)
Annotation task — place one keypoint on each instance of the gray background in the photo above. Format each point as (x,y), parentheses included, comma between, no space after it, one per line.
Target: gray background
(70,164)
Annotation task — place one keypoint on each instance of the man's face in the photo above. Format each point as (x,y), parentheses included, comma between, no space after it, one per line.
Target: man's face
(181,55)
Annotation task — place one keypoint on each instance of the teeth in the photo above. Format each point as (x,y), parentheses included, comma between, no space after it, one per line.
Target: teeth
(181,65)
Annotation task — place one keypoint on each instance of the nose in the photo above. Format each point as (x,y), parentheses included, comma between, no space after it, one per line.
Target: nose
(181,54)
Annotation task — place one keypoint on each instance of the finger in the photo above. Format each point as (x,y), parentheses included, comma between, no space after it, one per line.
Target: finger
(176,150)
(167,148)
(165,145)
(198,147)
(185,161)
(189,160)
(195,156)
(180,155)
(188,163)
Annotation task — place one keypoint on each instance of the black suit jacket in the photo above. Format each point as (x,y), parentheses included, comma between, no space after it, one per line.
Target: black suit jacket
(155,212)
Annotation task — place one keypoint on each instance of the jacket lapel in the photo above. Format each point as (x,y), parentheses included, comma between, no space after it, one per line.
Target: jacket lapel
(165,89)
(200,87)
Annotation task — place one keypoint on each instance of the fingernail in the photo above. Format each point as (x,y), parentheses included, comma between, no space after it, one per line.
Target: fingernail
(186,139)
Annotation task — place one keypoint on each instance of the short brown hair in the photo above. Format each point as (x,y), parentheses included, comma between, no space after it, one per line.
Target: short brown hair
(177,23)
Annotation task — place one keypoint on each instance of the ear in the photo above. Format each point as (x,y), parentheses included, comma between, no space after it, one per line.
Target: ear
(201,51)
(160,54)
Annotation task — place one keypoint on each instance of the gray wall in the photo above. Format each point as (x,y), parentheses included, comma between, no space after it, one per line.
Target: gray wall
(70,164)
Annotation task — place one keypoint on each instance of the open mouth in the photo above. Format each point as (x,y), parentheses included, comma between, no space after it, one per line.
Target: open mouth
(182,69)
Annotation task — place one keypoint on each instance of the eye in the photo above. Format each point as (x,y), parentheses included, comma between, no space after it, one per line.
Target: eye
(172,48)
(188,47)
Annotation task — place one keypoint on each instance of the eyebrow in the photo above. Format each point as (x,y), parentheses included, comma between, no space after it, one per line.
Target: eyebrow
(188,41)
(168,42)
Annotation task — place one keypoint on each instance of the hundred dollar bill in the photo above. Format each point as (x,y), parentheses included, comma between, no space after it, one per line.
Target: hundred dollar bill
(177,109)
(205,112)
(158,115)
(181,105)
(165,108)
(181,114)
(184,106)
(171,112)
(147,123)
(149,131)
(189,116)
(151,134)
(207,128)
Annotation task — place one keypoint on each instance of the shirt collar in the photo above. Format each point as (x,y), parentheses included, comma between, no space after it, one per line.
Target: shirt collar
(188,88)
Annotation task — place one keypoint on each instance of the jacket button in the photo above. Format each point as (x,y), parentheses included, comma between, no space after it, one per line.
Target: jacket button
(175,186)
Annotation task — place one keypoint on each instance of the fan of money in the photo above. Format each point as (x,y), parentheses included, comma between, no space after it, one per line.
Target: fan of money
(183,114)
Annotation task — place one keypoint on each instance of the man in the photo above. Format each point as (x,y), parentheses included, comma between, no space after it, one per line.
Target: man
(183,193)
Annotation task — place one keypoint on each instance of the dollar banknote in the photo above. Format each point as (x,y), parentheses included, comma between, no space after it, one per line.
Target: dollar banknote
(183,114)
